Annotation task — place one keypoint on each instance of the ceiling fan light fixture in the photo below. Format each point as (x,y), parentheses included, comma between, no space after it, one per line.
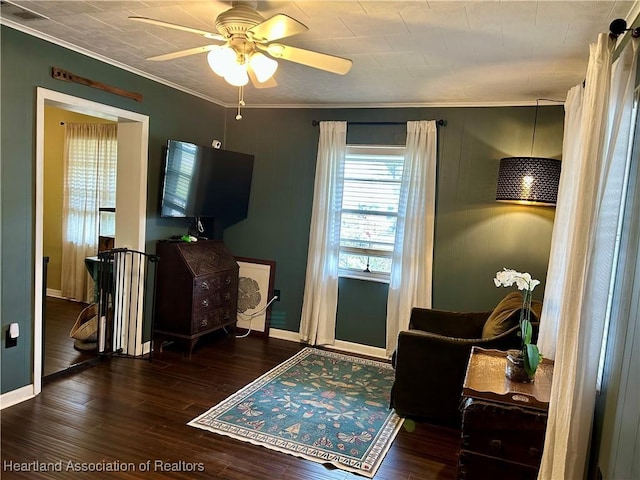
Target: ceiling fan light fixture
(263,66)
(275,50)
(242,50)
(222,59)
(237,75)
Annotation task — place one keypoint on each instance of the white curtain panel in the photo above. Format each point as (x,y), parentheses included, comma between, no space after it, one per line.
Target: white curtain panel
(567,204)
(411,269)
(320,301)
(90,162)
(578,290)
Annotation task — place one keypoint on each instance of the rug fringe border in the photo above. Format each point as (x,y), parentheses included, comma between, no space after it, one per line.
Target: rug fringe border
(397,424)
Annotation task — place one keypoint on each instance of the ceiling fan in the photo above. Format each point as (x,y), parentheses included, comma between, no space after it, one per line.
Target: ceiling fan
(244,46)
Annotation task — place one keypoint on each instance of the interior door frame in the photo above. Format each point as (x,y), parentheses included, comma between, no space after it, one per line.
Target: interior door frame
(131,191)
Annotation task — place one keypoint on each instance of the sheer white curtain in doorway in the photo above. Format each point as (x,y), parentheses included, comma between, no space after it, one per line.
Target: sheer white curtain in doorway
(595,164)
(90,160)
(320,302)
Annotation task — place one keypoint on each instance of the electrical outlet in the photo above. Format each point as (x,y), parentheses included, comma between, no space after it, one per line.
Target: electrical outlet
(276,293)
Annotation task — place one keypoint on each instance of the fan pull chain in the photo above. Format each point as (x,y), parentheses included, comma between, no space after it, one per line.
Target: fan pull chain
(240,101)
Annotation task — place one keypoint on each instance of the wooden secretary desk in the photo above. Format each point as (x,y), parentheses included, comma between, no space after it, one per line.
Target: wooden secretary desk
(503,422)
(196,289)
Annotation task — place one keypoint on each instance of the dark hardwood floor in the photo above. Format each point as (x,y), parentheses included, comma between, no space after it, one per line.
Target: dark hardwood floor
(59,354)
(136,411)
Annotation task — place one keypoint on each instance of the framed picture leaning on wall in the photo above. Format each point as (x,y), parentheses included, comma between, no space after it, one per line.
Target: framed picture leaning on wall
(255,294)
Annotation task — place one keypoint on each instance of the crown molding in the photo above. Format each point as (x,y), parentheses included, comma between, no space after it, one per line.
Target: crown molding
(509,103)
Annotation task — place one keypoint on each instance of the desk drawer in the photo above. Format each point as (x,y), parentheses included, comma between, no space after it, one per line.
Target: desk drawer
(211,283)
(211,319)
(205,302)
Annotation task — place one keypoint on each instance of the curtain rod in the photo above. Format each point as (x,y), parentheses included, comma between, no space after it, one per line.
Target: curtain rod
(623,37)
(441,123)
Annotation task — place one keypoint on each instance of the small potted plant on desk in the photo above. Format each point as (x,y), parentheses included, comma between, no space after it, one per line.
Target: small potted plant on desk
(521,364)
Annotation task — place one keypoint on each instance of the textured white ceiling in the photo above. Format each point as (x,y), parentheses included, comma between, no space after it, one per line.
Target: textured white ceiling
(404,52)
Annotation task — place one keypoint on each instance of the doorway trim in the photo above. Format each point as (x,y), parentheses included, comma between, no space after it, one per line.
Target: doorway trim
(133,140)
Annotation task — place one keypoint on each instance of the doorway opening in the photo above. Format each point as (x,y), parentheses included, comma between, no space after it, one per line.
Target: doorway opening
(79,182)
(132,139)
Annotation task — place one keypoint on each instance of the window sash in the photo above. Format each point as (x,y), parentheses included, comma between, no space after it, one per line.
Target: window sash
(371,193)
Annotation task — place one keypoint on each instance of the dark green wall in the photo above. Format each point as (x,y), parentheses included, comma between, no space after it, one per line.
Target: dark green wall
(362,308)
(25,65)
(475,236)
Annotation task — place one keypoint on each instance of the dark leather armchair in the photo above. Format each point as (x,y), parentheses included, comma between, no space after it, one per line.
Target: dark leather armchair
(431,359)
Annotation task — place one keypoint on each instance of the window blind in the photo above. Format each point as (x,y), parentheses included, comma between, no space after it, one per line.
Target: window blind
(371,193)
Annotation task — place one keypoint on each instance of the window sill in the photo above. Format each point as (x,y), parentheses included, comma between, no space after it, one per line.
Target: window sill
(363,276)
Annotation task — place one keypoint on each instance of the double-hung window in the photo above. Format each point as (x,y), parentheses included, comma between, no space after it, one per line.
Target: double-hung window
(371,193)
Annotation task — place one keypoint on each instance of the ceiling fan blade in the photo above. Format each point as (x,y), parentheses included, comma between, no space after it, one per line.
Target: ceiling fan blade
(175,26)
(322,61)
(271,82)
(182,53)
(278,26)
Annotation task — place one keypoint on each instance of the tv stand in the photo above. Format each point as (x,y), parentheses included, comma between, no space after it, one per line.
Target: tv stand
(196,290)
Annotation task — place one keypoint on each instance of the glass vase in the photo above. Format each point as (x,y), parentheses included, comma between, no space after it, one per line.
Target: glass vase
(515,370)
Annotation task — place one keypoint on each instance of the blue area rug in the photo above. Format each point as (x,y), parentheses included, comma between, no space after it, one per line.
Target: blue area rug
(323,406)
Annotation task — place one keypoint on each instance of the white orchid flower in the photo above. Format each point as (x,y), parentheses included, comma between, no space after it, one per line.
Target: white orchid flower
(507,277)
(522,283)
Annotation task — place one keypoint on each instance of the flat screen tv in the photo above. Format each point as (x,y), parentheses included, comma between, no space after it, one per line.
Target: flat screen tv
(205,182)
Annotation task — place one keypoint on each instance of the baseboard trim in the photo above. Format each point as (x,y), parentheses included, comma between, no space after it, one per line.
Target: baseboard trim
(340,345)
(359,348)
(16,396)
(284,335)
(54,293)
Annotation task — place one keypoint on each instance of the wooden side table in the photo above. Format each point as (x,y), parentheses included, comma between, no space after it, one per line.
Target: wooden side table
(503,422)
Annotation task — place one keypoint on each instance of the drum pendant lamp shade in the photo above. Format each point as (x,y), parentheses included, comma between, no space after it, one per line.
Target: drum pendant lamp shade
(528,180)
